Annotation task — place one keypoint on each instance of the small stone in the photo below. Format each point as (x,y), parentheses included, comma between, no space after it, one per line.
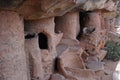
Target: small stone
(107,72)
(101,55)
(95,65)
(57,77)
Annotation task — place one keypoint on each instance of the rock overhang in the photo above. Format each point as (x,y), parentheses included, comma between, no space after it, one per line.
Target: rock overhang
(38,9)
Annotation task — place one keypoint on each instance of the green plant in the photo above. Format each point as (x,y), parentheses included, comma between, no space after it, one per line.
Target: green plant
(113,50)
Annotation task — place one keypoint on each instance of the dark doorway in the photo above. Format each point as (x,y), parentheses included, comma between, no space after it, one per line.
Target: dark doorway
(43,41)
(84,17)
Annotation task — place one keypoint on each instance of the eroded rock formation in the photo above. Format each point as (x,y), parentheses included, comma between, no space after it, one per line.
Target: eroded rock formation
(54,39)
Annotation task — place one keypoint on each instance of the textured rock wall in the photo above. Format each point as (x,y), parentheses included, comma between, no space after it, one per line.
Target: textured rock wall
(66,57)
(68,24)
(12,55)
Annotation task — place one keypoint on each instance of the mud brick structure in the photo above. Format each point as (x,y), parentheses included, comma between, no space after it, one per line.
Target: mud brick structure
(54,39)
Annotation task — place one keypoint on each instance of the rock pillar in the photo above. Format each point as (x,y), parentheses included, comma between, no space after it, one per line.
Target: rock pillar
(34,57)
(43,27)
(12,55)
(68,24)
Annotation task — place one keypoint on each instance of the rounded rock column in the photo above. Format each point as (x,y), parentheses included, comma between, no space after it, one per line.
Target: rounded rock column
(68,24)
(12,55)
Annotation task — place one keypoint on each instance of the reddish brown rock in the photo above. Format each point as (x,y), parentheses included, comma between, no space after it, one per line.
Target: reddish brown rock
(68,24)
(69,58)
(38,9)
(46,27)
(85,56)
(95,65)
(34,58)
(51,45)
(92,58)
(12,55)
(80,74)
(47,62)
(101,55)
(47,41)
(57,77)
(99,74)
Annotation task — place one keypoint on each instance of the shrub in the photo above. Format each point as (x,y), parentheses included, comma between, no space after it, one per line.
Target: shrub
(113,50)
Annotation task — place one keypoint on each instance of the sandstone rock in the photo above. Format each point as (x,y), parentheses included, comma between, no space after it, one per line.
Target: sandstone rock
(69,42)
(70,64)
(101,55)
(110,5)
(79,74)
(35,58)
(107,72)
(99,74)
(47,8)
(39,9)
(57,77)
(69,58)
(91,5)
(92,58)
(58,37)
(68,24)
(13,64)
(99,4)
(47,62)
(95,65)
(85,56)
(44,27)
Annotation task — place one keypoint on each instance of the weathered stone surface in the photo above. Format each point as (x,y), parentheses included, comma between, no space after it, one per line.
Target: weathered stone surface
(57,77)
(92,58)
(68,24)
(45,8)
(46,27)
(95,65)
(12,55)
(10,4)
(93,42)
(38,9)
(91,5)
(69,58)
(47,62)
(93,19)
(99,74)
(101,55)
(85,56)
(51,45)
(34,58)
(99,4)
(110,5)
(79,74)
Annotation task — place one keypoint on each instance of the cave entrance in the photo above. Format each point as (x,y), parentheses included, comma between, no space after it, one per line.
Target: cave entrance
(43,41)
(83,19)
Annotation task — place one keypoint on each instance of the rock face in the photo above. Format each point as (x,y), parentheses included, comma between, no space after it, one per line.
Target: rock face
(12,55)
(70,20)
(37,9)
(57,77)
(54,39)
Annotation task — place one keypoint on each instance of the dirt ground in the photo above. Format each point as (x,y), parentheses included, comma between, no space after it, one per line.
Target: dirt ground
(109,69)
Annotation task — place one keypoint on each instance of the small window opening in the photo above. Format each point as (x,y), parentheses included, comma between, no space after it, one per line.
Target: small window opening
(29,35)
(43,41)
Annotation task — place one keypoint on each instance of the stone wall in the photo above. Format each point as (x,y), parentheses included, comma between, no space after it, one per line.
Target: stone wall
(53,39)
